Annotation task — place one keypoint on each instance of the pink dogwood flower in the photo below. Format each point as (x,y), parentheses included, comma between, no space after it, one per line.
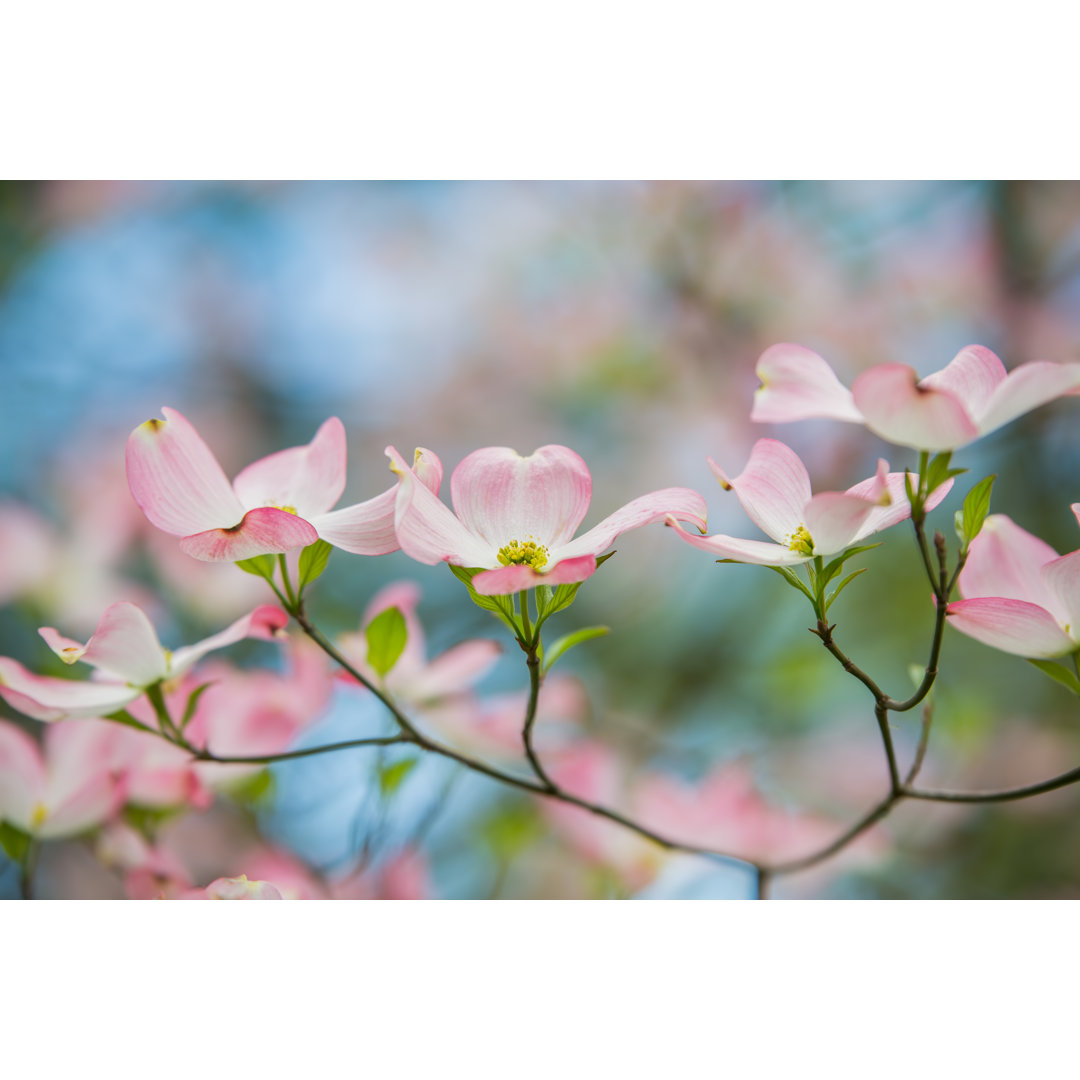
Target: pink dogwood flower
(64,788)
(1019,595)
(235,888)
(515,517)
(128,656)
(970,397)
(279,503)
(774,490)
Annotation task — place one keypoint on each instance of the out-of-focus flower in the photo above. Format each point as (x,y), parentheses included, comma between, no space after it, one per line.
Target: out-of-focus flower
(1019,595)
(403,876)
(281,502)
(414,679)
(970,397)
(128,656)
(774,490)
(64,788)
(235,888)
(151,871)
(515,516)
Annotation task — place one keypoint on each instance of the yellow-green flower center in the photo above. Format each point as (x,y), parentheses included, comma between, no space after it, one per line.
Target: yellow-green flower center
(801,541)
(288,509)
(524,553)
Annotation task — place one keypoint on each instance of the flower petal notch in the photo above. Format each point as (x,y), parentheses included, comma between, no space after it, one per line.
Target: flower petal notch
(1019,595)
(515,517)
(970,397)
(128,657)
(774,490)
(275,505)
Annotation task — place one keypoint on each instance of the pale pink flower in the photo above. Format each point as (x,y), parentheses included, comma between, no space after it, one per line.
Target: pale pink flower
(972,396)
(281,502)
(1020,596)
(774,490)
(515,517)
(235,888)
(63,788)
(151,871)
(128,657)
(403,876)
(414,679)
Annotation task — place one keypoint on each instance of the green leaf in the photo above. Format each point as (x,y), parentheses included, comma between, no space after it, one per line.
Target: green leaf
(122,716)
(313,561)
(392,776)
(567,642)
(386,638)
(1058,673)
(843,585)
(254,791)
(976,508)
(510,830)
(502,607)
(789,575)
(15,842)
(192,703)
(260,565)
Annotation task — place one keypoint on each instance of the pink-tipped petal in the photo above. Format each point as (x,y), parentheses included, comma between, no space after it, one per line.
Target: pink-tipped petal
(681,503)
(971,377)
(45,698)
(310,478)
(903,411)
(797,384)
(426,529)
(773,489)
(176,480)
(897,509)
(1026,388)
(124,645)
(834,519)
(1013,626)
(512,579)
(265,622)
(757,552)
(501,496)
(1006,560)
(265,531)
(368,527)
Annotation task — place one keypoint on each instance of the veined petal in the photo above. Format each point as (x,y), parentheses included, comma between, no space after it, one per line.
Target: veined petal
(501,496)
(514,578)
(367,528)
(897,509)
(1062,577)
(904,411)
(1014,626)
(310,479)
(681,503)
(834,519)
(265,622)
(426,529)
(43,697)
(797,384)
(773,489)
(124,646)
(758,552)
(1026,388)
(971,377)
(264,531)
(176,480)
(1006,560)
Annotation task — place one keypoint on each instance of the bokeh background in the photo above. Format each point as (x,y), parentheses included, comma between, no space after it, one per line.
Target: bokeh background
(623,320)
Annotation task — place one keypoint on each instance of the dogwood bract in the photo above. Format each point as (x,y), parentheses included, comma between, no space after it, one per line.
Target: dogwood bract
(129,658)
(774,490)
(970,397)
(279,503)
(1020,596)
(515,517)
